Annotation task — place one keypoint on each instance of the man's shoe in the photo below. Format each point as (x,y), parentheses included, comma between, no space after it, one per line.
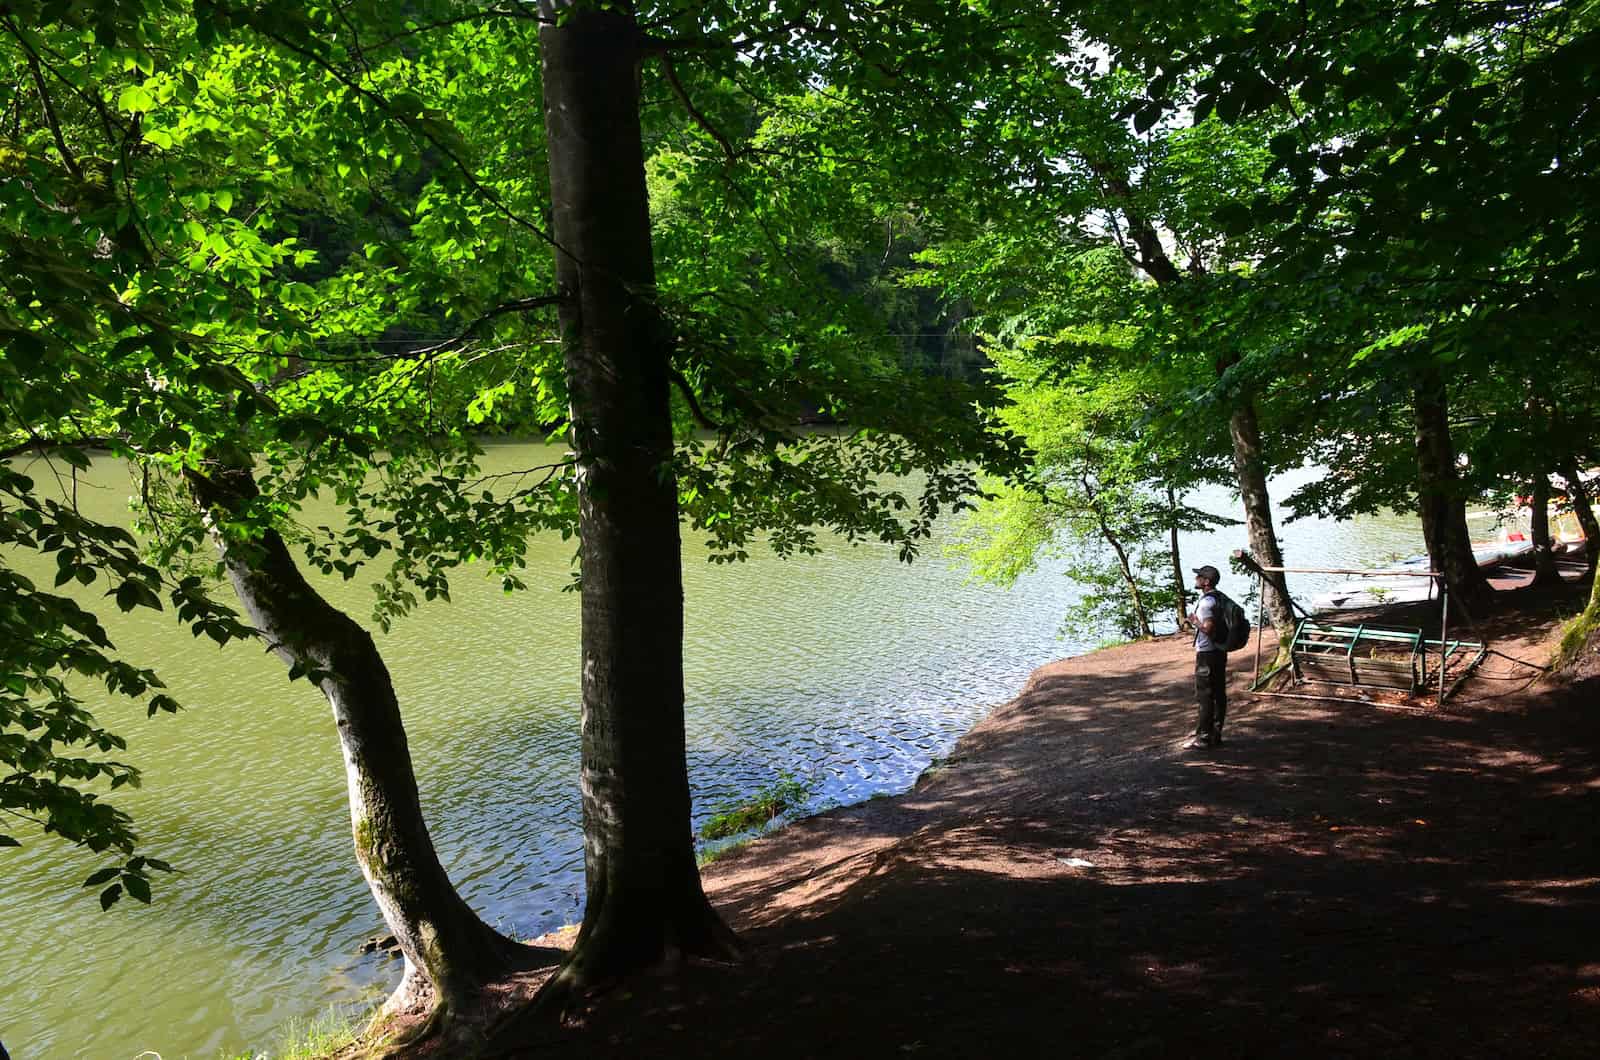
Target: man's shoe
(1197,741)
(1216,738)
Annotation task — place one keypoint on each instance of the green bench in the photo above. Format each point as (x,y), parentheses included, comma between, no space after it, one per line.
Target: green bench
(1366,655)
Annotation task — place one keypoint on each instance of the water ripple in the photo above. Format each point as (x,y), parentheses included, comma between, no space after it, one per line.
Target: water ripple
(849,671)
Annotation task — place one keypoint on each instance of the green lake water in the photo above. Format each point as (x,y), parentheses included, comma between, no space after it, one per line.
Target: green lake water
(848,670)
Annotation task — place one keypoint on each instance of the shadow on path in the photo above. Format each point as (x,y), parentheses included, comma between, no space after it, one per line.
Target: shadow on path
(1336,880)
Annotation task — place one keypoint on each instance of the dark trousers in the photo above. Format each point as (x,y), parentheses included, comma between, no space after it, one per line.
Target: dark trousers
(1210,691)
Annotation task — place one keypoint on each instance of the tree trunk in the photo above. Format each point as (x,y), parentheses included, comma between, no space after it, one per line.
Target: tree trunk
(1250,465)
(1141,618)
(645,902)
(1585,512)
(1180,590)
(449,953)
(1440,501)
(1582,632)
(1544,560)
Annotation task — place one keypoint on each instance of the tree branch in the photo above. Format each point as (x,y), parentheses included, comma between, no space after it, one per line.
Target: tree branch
(695,410)
(694,112)
(662,45)
(521,305)
(414,128)
(67,158)
(41,444)
(472,16)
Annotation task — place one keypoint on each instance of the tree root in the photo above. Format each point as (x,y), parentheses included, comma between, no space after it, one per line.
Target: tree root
(435,1023)
(578,984)
(417,1018)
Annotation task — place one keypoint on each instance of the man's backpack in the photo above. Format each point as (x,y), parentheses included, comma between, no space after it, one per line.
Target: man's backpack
(1235,631)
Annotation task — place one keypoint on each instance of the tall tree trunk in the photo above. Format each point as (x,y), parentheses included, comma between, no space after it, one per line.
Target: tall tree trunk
(1544,560)
(449,953)
(1250,464)
(1440,501)
(1584,511)
(1180,589)
(1149,255)
(645,902)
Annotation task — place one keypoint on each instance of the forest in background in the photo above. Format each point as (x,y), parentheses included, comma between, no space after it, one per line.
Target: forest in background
(1063,266)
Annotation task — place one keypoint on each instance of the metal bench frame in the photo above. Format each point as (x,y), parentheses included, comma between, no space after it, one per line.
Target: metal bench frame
(1316,646)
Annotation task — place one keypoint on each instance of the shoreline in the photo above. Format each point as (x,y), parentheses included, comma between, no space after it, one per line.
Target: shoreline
(1070,870)
(1069,873)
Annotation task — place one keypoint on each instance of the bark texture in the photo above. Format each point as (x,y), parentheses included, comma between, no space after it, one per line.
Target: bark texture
(1440,500)
(449,953)
(1249,461)
(645,902)
(1579,495)
(1544,560)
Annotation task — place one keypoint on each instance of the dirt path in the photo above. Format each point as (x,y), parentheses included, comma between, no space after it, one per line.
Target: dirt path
(1336,880)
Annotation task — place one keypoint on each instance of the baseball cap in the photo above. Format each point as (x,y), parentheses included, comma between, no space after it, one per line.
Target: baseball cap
(1210,572)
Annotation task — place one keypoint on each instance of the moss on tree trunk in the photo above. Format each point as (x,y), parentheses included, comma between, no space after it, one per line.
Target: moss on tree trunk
(449,953)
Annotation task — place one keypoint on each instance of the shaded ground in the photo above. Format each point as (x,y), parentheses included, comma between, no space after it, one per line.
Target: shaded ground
(1338,879)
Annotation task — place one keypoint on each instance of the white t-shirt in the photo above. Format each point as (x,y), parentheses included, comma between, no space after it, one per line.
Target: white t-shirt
(1206,608)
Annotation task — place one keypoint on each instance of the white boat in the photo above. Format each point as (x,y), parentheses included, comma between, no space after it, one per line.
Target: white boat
(1389,589)
(1493,553)
(1384,591)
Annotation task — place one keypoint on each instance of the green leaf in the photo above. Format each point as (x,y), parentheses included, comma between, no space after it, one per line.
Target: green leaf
(137,886)
(7,841)
(102,876)
(135,99)
(109,896)
(75,457)
(127,596)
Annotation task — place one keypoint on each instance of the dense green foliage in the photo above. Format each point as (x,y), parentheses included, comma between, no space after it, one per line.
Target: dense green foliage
(307,242)
(310,242)
(1356,209)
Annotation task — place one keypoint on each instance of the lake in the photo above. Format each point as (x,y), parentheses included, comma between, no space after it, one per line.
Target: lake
(847,670)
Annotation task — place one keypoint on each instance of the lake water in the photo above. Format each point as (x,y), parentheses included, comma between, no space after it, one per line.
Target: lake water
(848,670)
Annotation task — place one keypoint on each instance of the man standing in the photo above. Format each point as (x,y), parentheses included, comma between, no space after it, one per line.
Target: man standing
(1210,661)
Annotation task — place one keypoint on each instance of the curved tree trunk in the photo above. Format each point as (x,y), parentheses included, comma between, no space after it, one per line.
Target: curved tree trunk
(449,953)
(1141,618)
(1440,501)
(1584,510)
(1544,560)
(1250,464)
(644,900)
